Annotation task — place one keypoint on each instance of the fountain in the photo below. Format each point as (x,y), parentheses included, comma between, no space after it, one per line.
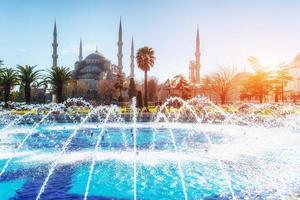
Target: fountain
(95,151)
(195,150)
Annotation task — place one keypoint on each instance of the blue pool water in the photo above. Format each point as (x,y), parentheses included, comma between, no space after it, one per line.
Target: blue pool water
(9,188)
(253,163)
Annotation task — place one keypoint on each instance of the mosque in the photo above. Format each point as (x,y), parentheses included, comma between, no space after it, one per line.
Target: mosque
(90,73)
(95,67)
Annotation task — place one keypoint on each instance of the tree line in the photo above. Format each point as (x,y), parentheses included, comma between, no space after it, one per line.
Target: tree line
(221,83)
(254,86)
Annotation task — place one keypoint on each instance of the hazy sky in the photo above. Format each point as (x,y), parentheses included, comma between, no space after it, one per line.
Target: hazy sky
(230,31)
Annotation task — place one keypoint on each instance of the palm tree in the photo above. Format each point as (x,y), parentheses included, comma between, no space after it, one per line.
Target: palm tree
(145,60)
(58,77)
(8,80)
(27,75)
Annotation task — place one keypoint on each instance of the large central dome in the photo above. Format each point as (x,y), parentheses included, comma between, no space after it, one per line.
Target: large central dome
(95,57)
(95,66)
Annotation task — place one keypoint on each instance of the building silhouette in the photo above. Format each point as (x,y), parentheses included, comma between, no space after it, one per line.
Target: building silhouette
(95,67)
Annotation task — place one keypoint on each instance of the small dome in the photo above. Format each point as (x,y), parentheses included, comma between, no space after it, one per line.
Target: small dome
(297,58)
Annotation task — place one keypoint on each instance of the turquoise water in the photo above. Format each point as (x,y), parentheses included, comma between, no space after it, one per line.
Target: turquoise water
(113,179)
(252,167)
(9,188)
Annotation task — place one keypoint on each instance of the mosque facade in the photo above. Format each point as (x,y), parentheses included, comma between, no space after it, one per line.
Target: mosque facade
(95,67)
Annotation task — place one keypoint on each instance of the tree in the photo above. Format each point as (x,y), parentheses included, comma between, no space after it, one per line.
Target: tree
(152,89)
(76,88)
(205,86)
(106,91)
(58,77)
(8,80)
(139,100)
(259,84)
(167,86)
(180,83)
(16,96)
(119,84)
(132,89)
(281,79)
(276,89)
(44,84)
(1,70)
(255,63)
(221,82)
(27,75)
(145,60)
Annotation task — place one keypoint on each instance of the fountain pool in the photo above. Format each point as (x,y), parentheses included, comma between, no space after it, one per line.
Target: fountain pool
(102,156)
(258,162)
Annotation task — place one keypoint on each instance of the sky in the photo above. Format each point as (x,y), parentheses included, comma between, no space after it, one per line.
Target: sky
(230,32)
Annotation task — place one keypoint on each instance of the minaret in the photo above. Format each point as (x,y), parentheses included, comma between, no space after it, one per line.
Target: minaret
(54,46)
(197,60)
(80,51)
(120,44)
(132,60)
